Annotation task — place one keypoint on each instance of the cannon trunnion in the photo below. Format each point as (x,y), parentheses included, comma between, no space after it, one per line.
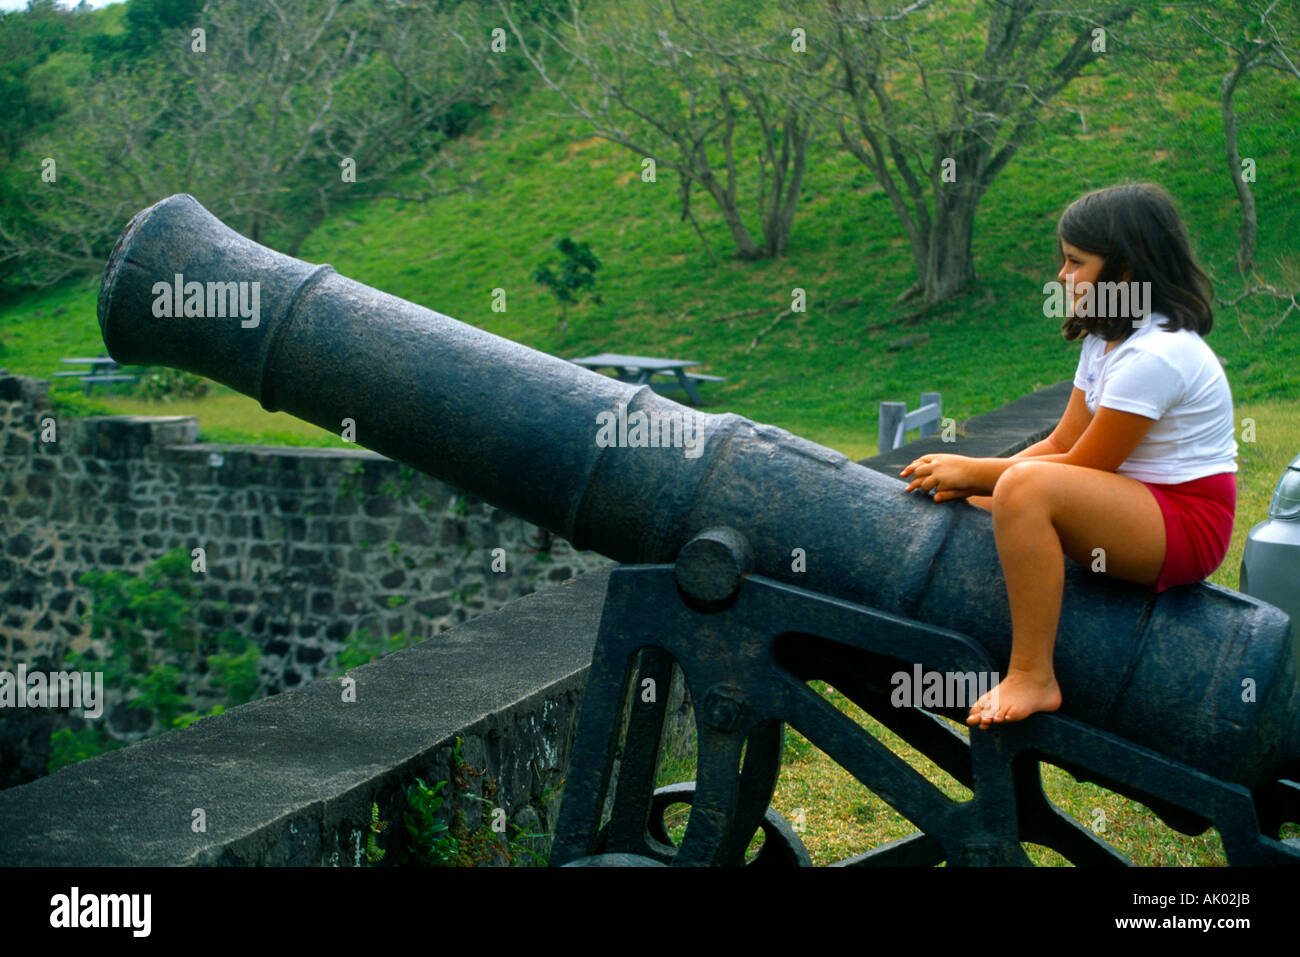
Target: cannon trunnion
(758,561)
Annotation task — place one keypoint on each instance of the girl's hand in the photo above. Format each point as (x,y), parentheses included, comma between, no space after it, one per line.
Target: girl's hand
(949,476)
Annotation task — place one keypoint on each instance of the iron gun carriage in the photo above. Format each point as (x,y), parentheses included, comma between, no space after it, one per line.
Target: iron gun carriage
(756,561)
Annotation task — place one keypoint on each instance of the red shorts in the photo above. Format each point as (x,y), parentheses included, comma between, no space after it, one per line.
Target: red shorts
(1198,526)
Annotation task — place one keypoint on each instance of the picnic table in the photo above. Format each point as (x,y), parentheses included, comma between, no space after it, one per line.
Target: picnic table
(641,370)
(102,371)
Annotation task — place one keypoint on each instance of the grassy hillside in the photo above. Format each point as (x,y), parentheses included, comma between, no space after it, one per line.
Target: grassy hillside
(820,373)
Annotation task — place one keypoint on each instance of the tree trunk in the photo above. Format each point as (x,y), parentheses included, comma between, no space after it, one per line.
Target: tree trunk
(949,263)
(746,248)
(1246,242)
(779,216)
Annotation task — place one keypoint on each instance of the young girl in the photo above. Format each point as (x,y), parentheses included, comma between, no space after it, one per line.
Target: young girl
(1142,462)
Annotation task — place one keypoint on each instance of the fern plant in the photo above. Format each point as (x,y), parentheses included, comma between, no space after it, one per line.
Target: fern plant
(374,853)
(429,842)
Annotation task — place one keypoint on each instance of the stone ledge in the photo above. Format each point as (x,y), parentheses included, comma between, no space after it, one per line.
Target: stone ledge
(132,436)
(997,434)
(290,779)
(279,451)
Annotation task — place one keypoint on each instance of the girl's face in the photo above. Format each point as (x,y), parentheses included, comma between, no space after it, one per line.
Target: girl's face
(1085,267)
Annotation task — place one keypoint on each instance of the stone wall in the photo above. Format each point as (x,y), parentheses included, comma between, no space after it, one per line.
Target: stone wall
(291,779)
(302,546)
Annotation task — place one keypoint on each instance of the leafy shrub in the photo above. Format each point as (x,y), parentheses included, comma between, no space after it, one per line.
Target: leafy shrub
(155,651)
(363,647)
(168,385)
(69,747)
(429,842)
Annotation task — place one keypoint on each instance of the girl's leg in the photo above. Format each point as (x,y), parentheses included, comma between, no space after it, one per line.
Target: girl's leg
(1042,511)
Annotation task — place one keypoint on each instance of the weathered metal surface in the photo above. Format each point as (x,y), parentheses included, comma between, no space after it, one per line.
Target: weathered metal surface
(1199,674)
(747,669)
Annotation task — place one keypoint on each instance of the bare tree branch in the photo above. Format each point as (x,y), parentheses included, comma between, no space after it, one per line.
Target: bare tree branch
(256,125)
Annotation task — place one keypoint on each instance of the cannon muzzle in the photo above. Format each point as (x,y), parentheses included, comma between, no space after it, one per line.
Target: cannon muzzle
(1202,674)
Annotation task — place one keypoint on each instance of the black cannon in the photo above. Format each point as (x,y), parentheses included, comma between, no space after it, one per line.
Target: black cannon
(756,562)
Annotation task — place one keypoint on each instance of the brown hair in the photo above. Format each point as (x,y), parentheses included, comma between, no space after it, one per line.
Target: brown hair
(1136,229)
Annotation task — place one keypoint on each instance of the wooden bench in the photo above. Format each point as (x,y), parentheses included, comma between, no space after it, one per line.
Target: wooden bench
(102,371)
(692,377)
(641,370)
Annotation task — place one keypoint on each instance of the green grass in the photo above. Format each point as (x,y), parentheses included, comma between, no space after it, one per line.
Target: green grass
(843,818)
(819,374)
(1259,466)
(840,818)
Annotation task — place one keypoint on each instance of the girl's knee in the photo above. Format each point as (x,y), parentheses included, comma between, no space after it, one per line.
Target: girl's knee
(1022,480)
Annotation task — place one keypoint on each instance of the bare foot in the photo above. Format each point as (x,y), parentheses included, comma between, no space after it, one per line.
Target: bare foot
(1016,697)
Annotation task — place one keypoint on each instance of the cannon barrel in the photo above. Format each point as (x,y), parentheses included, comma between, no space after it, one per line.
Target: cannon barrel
(1202,674)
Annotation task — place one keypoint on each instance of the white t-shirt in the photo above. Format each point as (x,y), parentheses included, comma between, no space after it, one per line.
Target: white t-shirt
(1176,379)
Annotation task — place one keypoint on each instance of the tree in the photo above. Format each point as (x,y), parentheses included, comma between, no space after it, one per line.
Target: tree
(655,77)
(1257,43)
(577,272)
(935,114)
(1257,34)
(147,23)
(271,115)
(27,40)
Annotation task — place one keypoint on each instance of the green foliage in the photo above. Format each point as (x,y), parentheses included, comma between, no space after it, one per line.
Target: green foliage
(234,669)
(155,651)
(374,853)
(89,89)
(362,647)
(462,595)
(797,747)
(517,846)
(429,841)
(434,843)
(163,694)
(148,23)
(69,747)
(350,487)
(127,610)
(190,717)
(577,271)
(402,487)
(32,97)
(542,177)
(168,385)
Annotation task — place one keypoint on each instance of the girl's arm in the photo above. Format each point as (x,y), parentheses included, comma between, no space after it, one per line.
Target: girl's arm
(1105,444)
(1042,447)
(1073,422)
(1103,441)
